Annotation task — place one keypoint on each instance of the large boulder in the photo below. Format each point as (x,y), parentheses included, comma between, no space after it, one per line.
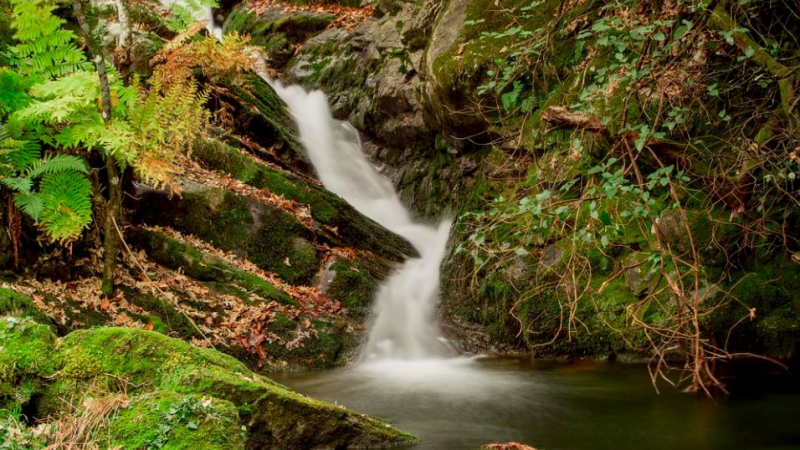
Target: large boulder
(179,396)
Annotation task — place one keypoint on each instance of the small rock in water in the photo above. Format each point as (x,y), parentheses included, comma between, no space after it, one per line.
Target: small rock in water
(507,446)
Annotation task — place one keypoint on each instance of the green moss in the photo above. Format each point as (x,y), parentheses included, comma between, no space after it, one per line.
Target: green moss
(296,27)
(352,286)
(216,155)
(173,384)
(264,234)
(13,303)
(771,289)
(202,266)
(278,247)
(173,421)
(264,118)
(26,359)
(81,366)
(322,348)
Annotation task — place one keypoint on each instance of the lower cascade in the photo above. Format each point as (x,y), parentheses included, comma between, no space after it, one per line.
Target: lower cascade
(403,326)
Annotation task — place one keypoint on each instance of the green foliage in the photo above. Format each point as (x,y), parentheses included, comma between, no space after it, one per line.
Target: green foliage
(51,99)
(187,12)
(45,48)
(186,412)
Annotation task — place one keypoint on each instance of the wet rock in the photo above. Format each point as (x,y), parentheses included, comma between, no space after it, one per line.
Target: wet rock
(264,234)
(350,283)
(263,118)
(396,108)
(417,31)
(200,265)
(330,211)
(276,30)
(387,7)
(638,277)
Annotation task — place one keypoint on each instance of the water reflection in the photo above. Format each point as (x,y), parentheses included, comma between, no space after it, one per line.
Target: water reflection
(462,403)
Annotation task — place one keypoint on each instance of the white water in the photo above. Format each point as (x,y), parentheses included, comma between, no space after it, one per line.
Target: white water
(403,324)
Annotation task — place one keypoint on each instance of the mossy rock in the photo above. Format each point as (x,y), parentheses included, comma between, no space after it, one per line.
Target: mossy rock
(161,372)
(266,235)
(200,265)
(353,229)
(261,116)
(277,30)
(168,420)
(351,284)
(13,303)
(461,51)
(771,289)
(26,359)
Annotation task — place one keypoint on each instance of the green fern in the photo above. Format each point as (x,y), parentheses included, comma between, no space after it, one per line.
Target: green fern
(186,13)
(511,98)
(16,154)
(46,49)
(66,204)
(29,203)
(57,164)
(13,91)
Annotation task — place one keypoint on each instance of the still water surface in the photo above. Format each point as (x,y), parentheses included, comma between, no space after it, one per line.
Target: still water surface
(460,404)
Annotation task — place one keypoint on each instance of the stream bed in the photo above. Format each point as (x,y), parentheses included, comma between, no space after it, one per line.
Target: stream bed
(460,404)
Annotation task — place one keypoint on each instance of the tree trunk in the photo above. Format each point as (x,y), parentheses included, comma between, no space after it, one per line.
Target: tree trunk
(111,238)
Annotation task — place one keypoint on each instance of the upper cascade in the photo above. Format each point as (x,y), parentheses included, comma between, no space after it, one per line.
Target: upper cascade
(404,325)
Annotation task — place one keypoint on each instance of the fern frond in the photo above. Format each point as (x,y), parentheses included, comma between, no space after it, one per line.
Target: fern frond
(29,203)
(57,164)
(67,204)
(22,185)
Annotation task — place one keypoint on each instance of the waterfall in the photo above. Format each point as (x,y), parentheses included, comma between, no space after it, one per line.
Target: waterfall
(404,321)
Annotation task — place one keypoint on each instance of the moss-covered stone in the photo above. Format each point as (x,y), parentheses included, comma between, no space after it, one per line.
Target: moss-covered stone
(352,228)
(467,42)
(263,118)
(202,266)
(13,303)
(277,30)
(26,359)
(351,284)
(165,376)
(270,237)
(169,420)
(760,314)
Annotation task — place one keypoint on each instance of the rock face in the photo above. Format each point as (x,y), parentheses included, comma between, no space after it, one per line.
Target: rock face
(178,395)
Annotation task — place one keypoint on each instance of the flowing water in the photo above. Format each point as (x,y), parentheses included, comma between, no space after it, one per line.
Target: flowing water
(403,326)
(407,374)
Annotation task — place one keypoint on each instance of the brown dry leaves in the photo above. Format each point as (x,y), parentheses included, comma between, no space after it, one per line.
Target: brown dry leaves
(223,181)
(507,446)
(346,17)
(222,319)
